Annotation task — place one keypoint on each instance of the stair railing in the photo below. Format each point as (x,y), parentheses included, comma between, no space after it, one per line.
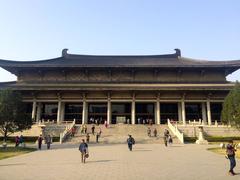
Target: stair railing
(65,133)
(176,131)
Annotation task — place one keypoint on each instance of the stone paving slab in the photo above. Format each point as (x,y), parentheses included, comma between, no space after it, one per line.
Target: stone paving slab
(115,162)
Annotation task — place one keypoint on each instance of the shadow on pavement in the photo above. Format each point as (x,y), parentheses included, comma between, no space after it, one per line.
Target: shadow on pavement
(100,161)
(16,164)
(141,150)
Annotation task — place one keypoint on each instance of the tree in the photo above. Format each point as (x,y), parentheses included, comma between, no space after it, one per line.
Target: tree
(13,116)
(231,107)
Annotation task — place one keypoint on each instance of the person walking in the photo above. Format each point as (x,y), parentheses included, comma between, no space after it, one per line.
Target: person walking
(149,132)
(87,137)
(130,142)
(40,139)
(165,137)
(155,132)
(97,137)
(230,154)
(16,141)
(48,141)
(83,148)
(93,129)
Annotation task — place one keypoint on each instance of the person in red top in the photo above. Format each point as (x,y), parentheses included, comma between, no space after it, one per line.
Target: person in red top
(17,141)
(230,153)
(73,131)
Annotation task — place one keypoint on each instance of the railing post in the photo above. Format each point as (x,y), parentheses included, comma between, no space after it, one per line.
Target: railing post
(60,138)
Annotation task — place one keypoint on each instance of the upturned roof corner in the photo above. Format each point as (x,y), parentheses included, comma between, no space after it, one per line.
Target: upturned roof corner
(64,52)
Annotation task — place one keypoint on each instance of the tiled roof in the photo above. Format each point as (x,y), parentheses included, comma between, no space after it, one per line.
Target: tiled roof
(167,60)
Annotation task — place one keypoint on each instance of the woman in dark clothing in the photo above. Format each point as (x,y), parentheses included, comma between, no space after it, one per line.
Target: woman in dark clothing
(230,151)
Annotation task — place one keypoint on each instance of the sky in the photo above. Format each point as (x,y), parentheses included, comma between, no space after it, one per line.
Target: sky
(40,29)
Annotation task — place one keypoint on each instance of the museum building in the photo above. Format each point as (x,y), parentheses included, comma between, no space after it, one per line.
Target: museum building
(122,89)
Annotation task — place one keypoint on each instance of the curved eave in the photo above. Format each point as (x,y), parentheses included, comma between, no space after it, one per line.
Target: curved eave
(118,86)
(88,61)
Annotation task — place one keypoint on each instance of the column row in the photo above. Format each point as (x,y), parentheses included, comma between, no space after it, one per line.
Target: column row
(162,111)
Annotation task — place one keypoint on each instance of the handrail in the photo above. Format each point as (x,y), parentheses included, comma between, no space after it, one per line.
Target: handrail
(176,131)
(65,133)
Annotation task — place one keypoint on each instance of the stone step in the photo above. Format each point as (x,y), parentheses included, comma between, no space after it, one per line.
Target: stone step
(119,134)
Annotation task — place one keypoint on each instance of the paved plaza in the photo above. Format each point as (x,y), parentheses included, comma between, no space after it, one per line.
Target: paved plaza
(115,162)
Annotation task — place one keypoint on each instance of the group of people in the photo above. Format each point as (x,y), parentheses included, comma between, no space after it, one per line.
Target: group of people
(94,133)
(230,149)
(144,121)
(96,121)
(83,147)
(48,141)
(149,132)
(19,141)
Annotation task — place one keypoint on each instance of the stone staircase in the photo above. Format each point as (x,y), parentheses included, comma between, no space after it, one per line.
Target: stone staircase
(54,129)
(116,134)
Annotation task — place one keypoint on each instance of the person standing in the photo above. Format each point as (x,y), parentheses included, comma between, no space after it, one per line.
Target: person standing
(40,139)
(155,132)
(85,128)
(82,129)
(230,152)
(130,142)
(48,141)
(83,148)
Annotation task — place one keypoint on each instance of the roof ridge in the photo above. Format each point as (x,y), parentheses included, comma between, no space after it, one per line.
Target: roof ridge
(66,55)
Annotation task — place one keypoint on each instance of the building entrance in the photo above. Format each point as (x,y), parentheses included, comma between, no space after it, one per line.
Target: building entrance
(145,113)
(216,109)
(121,113)
(49,111)
(73,111)
(193,111)
(168,111)
(97,113)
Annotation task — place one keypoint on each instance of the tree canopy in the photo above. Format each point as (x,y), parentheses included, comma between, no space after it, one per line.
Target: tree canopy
(231,107)
(13,116)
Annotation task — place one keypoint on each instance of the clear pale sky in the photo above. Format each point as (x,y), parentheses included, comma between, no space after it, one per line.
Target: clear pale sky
(37,30)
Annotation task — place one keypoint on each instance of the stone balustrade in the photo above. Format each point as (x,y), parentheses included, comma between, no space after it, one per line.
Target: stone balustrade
(176,131)
(65,133)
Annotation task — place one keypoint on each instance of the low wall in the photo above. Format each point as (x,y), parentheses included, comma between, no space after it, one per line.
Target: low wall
(193,131)
(35,130)
(53,129)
